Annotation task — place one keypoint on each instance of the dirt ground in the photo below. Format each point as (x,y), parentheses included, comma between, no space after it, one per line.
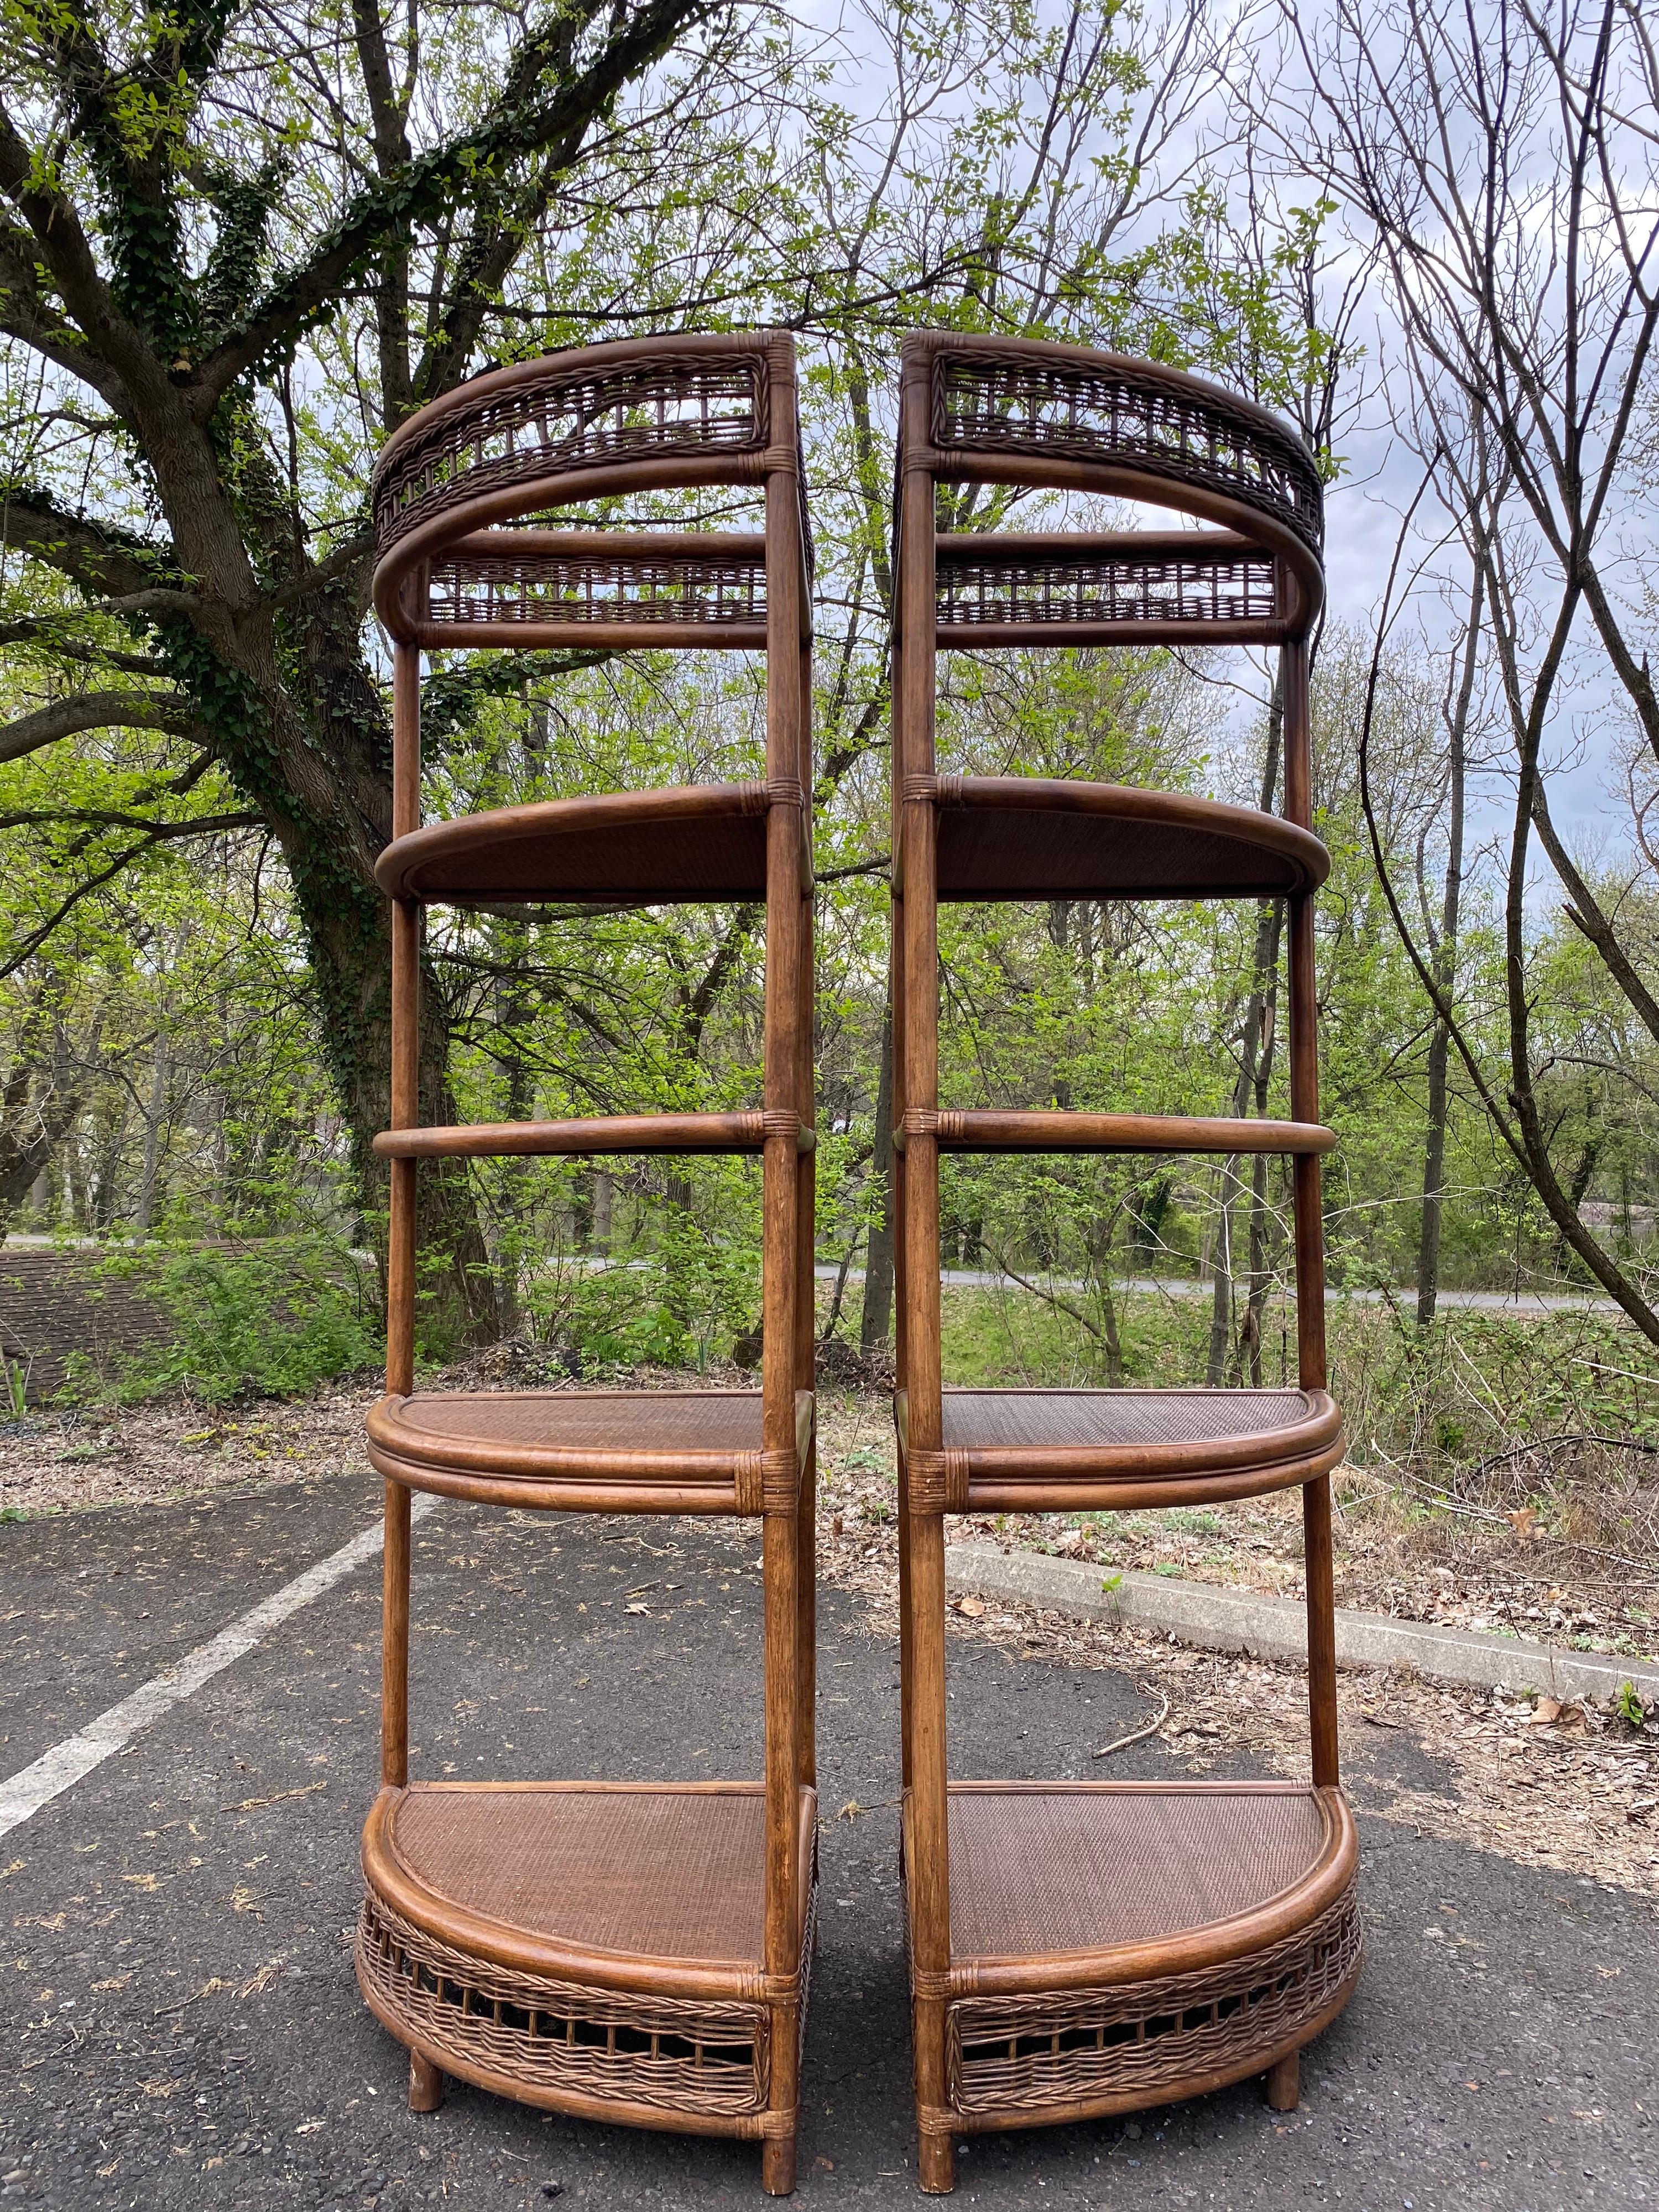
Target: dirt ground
(1568,1788)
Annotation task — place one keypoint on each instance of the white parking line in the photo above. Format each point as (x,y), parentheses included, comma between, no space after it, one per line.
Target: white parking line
(25,1792)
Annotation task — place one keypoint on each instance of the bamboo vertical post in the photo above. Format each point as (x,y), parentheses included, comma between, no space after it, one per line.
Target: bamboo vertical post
(400,1218)
(929,1840)
(787,977)
(805,1246)
(1309,1228)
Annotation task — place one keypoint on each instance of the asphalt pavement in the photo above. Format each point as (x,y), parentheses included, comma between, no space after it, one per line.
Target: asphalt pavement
(178,2022)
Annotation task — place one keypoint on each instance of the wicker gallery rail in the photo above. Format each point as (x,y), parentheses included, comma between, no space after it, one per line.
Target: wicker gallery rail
(1078,1948)
(632,1952)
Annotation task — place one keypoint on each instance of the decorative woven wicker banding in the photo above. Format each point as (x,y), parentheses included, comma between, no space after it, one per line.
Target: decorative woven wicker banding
(642,415)
(702,841)
(1037,837)
(600,586)
(1154,2041)
(1127,1944)
(639,399)
(590,1947)
(1027,398)
(576,577)
(1120,589)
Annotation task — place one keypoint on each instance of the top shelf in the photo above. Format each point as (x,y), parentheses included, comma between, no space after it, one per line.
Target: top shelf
(1024,411)
(641,416)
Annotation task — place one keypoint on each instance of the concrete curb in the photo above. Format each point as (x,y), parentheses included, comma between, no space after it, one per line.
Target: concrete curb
(1221,1620)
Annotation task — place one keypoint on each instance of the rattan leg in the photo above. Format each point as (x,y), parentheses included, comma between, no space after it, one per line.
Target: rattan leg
(778,2166)
(1283,2083)
(426,2084)
(936,2164)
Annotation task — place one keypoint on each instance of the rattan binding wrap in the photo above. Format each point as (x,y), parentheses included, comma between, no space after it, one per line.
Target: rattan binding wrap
(1145,2040)
(1233,587)
(1129,417)
(571,417)
(699,2058)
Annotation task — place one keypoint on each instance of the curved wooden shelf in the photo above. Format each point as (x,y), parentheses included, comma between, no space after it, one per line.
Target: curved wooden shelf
(590,1451)
(1011,1451)
(743,1131)
(994,1129)
(1035,838)
(587,1946)
(1115,1945)
(699,841)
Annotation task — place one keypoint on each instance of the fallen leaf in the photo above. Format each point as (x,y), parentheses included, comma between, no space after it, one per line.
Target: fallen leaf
(850,1810)
(1545,1711)
(971,1606)
(1521,1521)
(636,1608)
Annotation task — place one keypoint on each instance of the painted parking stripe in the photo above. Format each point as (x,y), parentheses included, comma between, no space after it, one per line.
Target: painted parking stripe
(59,1769)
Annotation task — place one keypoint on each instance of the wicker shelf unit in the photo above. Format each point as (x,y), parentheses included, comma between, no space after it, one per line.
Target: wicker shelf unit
(1082,1949)
(624,1952)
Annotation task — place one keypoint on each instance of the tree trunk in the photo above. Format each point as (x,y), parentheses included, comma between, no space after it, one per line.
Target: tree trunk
(154,1113)
(1253,1062)
(1445,957)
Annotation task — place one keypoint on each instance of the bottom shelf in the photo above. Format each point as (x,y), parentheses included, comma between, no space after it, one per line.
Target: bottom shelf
(1115,1945)
(590,1948)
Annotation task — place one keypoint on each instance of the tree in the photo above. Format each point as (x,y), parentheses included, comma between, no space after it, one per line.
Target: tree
(183,268)
(1504,168)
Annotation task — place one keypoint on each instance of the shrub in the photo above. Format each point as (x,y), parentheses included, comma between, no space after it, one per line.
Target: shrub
(270,1319)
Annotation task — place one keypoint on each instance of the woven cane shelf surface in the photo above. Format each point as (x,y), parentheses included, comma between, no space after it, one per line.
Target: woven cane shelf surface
(586,1946)
(1013,1451)
(683,1441)
(1038,1870)
(702,841)
(658,1872)
(1028,837)
(1091,1420)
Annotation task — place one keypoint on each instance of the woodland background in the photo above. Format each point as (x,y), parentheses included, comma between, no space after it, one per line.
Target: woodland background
(241,239)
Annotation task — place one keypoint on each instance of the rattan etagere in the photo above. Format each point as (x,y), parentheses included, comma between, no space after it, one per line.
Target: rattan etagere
(632,1953)
(1082,1948)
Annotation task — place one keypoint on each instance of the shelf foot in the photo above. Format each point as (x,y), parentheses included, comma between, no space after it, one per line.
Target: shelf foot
(936,2164)
(778,2166)
(1283,2083)
(426,2084)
